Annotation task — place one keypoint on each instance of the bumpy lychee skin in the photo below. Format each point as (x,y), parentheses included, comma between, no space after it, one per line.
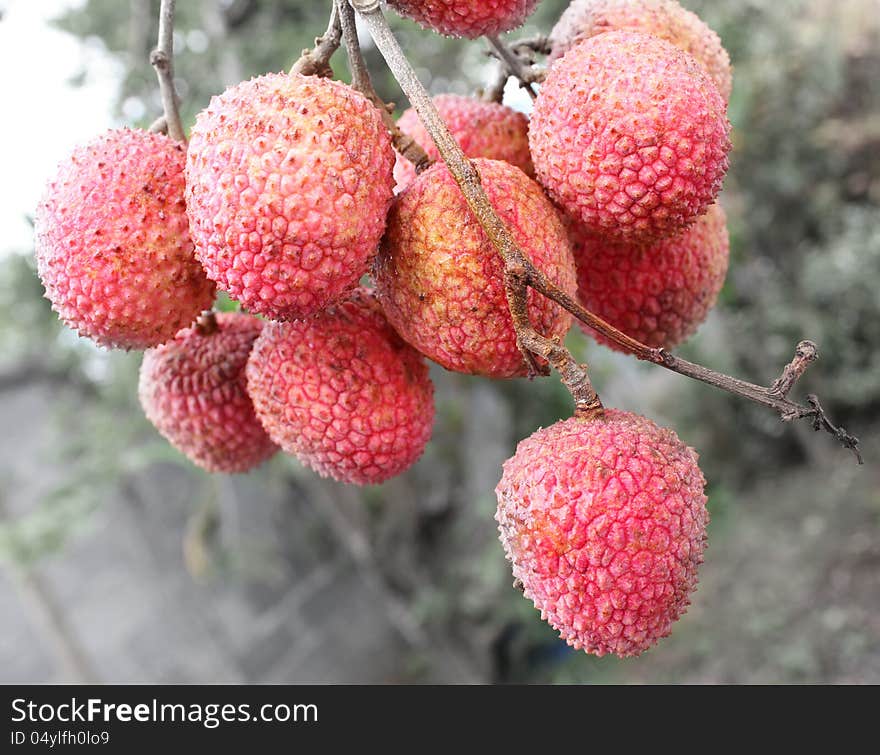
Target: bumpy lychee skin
(194,390)
(630,136)
(604,520)
(289,179)
(482,129)
(112,242)
(661,293)
(466,18)
(440,279)
(343,392)
(666,19)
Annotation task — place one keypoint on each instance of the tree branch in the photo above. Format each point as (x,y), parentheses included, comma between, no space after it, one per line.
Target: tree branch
(514,65)
(520,274)
(361,80)
(316,62)
(162,59)
(517,267)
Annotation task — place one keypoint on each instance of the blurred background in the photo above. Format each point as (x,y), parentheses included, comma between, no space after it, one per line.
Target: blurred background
(121,562)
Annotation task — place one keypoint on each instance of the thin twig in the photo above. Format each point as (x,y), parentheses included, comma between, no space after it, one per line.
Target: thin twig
(520,273)
(775,397)
(162,59)
(537,45)
(316,62)
(514,65)
(408,147)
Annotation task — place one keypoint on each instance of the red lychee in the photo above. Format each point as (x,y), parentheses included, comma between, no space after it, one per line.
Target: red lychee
(112,242)
(629,135)
(666,19)
(440,279)
(604,520)
(482,129)
(660,293)
(466,18)
(193,389)
(343,392)
(289,179)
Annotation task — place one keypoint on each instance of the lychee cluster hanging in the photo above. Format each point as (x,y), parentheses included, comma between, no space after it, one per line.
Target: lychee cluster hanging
(290,192)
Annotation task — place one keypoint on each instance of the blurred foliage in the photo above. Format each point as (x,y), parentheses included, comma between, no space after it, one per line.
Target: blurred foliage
(802,199)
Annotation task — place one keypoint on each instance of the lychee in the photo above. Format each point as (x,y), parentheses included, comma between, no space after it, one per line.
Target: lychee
(482,129)
(666,19)
(629,135)
(604,521)
(289,179)
(112,242)
(194,390)
(343,392)
(466,18)
(660,293)
(440,279)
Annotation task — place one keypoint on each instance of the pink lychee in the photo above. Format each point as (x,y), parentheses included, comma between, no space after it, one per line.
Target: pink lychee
(666,19)
(440,279)
(193,389)
(660,293)
(343,392)
(112,242)
(289,179)
(482,129)
(604,521)
(630,136)
(466,18)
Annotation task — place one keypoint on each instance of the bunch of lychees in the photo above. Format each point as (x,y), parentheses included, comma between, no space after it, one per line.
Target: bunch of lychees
(290,192)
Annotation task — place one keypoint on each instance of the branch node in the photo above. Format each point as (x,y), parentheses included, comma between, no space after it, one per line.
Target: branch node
(805,353)
(159,126)
(514,65)
(316,62)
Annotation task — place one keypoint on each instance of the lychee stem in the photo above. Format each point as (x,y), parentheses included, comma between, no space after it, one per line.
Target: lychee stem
(360,80)
(520,274)
(518,268)
(162,59)
(207,324)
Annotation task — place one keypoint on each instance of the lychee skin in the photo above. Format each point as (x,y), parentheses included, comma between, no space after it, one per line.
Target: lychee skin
(289,179)
(604,520)
(112,242)
(466,18)
(661,293)
(194,390)
(666,19)
(440,279)
(343,392)
(629,135)
(482,129)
